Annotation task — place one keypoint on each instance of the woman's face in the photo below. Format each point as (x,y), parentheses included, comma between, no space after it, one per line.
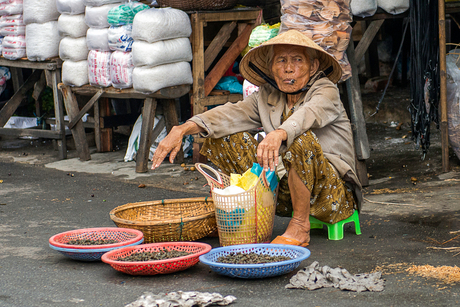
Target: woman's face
(291,67)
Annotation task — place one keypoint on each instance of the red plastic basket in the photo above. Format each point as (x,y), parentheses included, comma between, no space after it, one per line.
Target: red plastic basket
(160,266)
(124,236)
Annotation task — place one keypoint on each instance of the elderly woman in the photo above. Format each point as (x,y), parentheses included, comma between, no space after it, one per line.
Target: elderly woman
(308,135)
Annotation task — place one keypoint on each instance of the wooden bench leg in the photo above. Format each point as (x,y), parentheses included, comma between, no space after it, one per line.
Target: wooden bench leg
(59,113)
(171,121)
(78,132)
(148,116)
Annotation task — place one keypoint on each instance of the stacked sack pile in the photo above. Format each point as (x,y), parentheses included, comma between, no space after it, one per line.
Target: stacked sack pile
(72,48)
(120,41)
(42,36)
(367,8)
(12,30)
(96,13)
(327,22)
(161,49)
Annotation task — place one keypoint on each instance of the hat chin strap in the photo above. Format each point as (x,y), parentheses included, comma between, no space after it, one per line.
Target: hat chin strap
(273,83)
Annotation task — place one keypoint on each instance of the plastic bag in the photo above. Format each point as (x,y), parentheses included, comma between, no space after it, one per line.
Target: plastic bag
(249,88)
(75,73)
(13,30)
(120,38)
(13,53)
(162,52)
(363,8)
(97,39)
(72,7)
(99,68)
(96,16)
(263,33)
(73,49)
(121,69)
(4,21)
(40,11)
(327,23)
(230,83)
(5,75)
(14,41)
(154,25)
(12,8)
(453,101)
(124,14)
(152,79)
(72,25)
(42,41)
(394,6)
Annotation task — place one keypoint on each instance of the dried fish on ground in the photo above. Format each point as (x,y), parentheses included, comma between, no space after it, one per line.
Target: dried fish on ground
(182,299)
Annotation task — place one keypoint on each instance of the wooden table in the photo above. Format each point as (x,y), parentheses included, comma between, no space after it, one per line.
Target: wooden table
(37,81)
(164,98)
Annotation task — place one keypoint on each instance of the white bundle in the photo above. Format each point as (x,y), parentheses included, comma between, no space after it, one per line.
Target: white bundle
(154,25)
(96,16)
(42,41)
(75,73)
(73,49)
(162,52)
(13,30)
(13,53)
(6,22)
(97,39)
(99,68)
(120,38)
(14,41)
(363,8)
(11,8)
(72,7)
(100,2)
(152,79)
(72,25)
(394,6)
(40,11)
(121,69)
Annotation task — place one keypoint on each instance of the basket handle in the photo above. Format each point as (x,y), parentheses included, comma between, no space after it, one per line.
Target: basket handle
(214,181)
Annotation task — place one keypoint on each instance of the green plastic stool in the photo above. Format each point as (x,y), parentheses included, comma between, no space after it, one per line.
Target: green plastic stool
(335,231)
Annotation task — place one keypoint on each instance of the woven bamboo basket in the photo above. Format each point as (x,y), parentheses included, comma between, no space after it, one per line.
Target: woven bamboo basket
(198,5)
(171,220)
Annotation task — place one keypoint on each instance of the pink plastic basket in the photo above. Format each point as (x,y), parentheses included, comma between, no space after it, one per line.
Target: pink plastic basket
(160,266)
(124,236)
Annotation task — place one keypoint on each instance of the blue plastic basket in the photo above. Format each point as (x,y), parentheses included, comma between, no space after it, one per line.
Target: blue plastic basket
(297,253)
(89,254)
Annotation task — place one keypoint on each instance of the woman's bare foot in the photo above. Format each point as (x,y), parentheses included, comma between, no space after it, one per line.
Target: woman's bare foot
(298,230)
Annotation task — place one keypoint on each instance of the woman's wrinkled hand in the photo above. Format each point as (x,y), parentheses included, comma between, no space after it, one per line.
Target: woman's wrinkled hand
(170,144)
(268,149)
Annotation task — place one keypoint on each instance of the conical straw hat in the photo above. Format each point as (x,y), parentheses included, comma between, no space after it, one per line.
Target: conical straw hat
(259,57)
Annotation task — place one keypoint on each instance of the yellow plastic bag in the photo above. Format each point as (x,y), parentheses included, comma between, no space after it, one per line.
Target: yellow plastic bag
(245,181)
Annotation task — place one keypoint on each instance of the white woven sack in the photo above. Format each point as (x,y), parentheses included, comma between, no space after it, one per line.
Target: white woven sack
(394,6)
(72,7)
(42,41)
(5,21)
(99,68)
(97,39)
(13,30)
(121,69)
(12,8)
(101,2)
(152,79)
(14,41)
(72,25)
(75,73)
(120,38)
(13,53)
(363,8)
(40,11)
(96,16)
(73,49)
(162,52)
(154,25)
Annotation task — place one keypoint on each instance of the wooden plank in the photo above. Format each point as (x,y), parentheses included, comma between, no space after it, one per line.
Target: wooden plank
(249,14)
(443,86)
(170,114)
(219,92)
(197,39)
(78,132)
(217,43)
(158,128)
(51,64)
(59,112)
(38,89)
(48,134)
(367,39)
(106,133)
(227,59)
(10,107)
(16,77)
(111,92)
(148,116)
(97,126)
(86,108)
(217,100)
(358,122)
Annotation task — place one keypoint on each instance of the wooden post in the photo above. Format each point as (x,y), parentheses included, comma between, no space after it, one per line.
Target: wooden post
(106,133)
(197,63)
(443,86)
(148,116)
(59,113)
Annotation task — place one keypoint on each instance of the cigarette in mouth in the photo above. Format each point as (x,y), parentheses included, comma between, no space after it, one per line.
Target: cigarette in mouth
(292,81)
